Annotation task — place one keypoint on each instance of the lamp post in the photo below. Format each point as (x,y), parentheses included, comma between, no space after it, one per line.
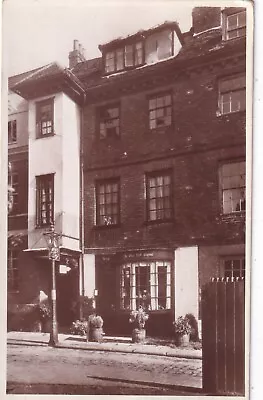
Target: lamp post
(52,240)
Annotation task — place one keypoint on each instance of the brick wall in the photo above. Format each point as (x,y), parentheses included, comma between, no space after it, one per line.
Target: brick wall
(195,123)
(197,212)
(193,148)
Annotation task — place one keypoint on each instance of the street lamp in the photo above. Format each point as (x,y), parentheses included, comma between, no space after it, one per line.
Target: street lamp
(52,240)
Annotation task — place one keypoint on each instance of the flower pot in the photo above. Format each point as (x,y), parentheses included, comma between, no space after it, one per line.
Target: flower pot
(138,335)
(95,335)
(182,340)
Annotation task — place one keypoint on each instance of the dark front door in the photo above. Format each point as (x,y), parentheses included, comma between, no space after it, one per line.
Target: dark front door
(67,296)
(107,295)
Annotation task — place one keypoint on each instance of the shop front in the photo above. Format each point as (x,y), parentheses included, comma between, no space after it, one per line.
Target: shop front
(127,280)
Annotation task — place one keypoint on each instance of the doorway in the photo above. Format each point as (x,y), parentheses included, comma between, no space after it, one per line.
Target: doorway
(67,298)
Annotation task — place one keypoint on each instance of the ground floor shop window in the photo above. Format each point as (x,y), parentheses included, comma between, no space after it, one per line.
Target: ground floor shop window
(234,267)
(12,270)
(147,284)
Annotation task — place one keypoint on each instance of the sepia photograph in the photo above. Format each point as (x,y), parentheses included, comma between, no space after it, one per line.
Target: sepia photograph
(128,179)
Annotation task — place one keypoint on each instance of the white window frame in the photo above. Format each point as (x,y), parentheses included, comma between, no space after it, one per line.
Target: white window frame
(12,131)
(228,89)
(13,183)
(12,268)
(229,183)
(150,299)
(239,30)
(233,259)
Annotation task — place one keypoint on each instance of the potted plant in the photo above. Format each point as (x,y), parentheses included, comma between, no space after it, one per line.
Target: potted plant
(182,330)
(44,314)
(79,327)
(94,328)
(138,319)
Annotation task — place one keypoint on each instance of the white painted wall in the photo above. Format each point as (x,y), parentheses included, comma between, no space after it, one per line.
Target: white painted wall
(177,44)
(158,46)
(45,157)
(186,281)
(70,172)
(58,154)
(89,275)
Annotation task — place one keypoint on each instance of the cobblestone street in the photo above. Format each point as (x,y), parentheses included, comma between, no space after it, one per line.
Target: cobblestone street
(41,365)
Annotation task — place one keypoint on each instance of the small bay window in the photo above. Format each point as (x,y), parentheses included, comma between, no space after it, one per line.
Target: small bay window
(147,284)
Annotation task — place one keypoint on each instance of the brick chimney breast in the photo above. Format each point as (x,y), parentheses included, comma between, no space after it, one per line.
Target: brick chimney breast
(204,18)
(77,55)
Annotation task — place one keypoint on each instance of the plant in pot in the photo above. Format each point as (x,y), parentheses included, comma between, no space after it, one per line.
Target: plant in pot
(138,319)
(94,328)
(182,330)
(44,315)
(79,327)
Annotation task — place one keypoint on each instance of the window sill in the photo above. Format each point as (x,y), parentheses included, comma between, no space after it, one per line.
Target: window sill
(226,115)
(111,226)
(233,216)
(43,226)
(160,129)
(151,312)
(17,215)
(45,136)
(160,221)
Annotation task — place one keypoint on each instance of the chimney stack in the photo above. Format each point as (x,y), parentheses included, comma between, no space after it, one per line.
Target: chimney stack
(204,18)
(77,55)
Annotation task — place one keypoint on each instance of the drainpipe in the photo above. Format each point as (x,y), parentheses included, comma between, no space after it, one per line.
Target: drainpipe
(81,202)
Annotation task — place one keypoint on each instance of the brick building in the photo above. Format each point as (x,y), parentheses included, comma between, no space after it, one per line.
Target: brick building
(161,184)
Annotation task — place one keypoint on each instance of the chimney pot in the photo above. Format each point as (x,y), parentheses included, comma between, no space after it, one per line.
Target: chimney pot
(75,44)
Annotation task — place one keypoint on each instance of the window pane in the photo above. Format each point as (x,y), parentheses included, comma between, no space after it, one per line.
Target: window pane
(108,203)
(160,112)
(45,203)
(120,59)
(145,284)
(128,55)
(138,53)
(110,62)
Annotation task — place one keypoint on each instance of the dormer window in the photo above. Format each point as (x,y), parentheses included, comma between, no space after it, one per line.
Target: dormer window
(234,24)
(143,48)
(128,56)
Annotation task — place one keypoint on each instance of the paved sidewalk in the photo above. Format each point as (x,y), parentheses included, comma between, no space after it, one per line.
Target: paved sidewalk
(110,344)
